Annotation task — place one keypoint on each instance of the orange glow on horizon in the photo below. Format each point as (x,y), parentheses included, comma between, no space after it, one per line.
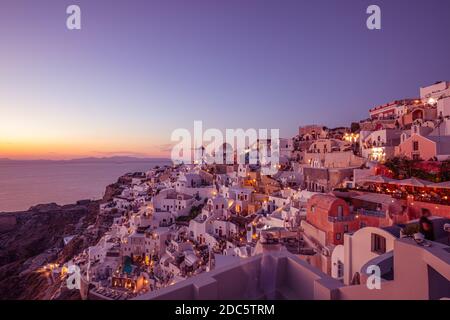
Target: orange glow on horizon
(33,131)
(57,150)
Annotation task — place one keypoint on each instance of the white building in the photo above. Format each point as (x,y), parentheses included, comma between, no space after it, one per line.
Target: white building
(212,224)
(379,145)
(286,147)
(443,107)
(359,248)
(431,94)
(240,196)
(171,201)
(243,170)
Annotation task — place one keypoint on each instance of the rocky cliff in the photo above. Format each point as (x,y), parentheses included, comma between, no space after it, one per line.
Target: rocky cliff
(37,237)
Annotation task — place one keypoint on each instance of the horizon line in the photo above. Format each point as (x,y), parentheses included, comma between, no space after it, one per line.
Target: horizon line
(89,158)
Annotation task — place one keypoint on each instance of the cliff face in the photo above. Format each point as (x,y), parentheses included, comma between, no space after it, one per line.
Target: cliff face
(37,237)
(112,190)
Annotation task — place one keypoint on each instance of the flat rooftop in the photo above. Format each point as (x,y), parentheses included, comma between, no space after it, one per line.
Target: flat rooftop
(275,275)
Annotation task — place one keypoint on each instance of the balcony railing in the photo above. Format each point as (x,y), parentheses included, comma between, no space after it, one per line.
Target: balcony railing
(165,224)
(372,213)
(341,219)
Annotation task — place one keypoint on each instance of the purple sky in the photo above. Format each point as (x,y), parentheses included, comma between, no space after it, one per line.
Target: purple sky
(139,69)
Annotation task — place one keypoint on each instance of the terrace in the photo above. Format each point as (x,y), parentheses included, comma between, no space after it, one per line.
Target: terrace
(371,213)
(427,264)
(341,218)
(271,276)
(409,189)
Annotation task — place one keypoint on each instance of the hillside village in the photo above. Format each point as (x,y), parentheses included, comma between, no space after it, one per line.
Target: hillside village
(342,199)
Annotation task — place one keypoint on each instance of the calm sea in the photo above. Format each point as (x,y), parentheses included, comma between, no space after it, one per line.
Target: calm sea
(24,184)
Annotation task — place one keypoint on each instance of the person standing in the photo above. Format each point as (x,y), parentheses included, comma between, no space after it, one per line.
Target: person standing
(426,226)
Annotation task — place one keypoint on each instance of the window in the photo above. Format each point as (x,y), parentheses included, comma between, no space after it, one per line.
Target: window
(416,145)
(340,269)
(340,211)
(338,236)
(345,228)
(313,209)
(378,244)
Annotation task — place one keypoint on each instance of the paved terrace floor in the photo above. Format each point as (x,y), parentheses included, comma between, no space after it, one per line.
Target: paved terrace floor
(276,275)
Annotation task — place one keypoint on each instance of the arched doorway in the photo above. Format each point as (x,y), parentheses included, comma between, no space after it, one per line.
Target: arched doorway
(417,114)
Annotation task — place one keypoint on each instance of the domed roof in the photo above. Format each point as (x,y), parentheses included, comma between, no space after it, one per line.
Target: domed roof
(324,201)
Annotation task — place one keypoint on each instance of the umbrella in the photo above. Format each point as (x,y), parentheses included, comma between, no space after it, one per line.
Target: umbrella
(377,179)
(414,182)
(442,185)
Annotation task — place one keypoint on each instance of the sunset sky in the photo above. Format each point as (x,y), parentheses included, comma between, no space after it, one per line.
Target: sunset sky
(140,69)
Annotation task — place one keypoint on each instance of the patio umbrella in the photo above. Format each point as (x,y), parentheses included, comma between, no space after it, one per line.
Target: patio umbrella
(441,185)
(377,179)
(414,182)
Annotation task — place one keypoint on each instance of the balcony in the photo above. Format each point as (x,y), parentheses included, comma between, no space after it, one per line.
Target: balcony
(372,213)
(279,275)
(165,224)
(341,218)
